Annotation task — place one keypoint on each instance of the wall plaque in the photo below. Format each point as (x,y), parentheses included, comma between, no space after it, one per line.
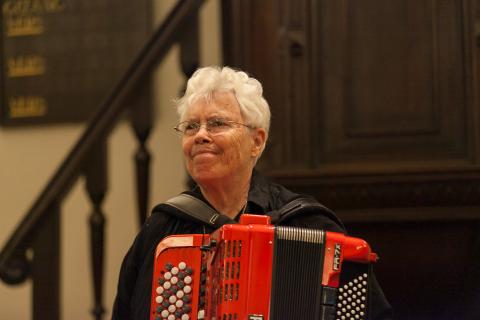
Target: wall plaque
(60,58)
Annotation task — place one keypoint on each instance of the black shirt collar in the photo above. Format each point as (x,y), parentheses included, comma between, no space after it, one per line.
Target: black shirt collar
(258,195)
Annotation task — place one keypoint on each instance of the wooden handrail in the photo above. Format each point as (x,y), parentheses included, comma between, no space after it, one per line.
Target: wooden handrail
(98,128)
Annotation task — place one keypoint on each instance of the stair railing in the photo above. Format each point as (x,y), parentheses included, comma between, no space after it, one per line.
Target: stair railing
(33,249)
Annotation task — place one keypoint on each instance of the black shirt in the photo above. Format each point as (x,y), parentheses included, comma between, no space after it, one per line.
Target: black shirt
(264,197)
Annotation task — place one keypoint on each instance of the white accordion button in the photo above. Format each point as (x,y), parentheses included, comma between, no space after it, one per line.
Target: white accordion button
(201,314)
(172,308)
(167,275)
(172,299)
(180,294)
(167,285)
(185,317)
(171,317)
(182,265)
(165,313)
(187,289)
(179,303)
(174,270)
(159,299)
(187,280)
(159,290)
(174,280)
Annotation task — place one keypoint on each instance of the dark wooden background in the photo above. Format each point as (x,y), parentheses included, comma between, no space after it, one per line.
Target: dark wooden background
(375,112)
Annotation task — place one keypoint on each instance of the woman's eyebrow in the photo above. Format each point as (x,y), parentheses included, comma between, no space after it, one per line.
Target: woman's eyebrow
(190,120)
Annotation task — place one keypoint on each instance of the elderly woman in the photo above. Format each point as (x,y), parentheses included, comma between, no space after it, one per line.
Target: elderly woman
(224,123)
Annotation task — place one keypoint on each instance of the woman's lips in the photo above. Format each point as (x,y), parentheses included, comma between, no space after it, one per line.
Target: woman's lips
(204,157)
(205,152)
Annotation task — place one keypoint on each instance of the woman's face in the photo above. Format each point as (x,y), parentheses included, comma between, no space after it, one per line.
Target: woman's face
(223,155)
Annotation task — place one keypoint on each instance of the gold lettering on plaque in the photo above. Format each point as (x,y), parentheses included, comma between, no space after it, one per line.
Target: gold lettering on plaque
(24,17)
(29,7)
(23,26)
(25,66)
(28,106)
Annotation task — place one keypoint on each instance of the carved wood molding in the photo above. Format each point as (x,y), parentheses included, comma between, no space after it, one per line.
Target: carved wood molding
(368,192)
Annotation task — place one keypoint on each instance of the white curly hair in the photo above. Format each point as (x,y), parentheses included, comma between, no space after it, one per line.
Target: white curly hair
(247,90)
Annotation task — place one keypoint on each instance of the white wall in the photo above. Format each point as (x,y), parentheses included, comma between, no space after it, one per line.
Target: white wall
(30,155)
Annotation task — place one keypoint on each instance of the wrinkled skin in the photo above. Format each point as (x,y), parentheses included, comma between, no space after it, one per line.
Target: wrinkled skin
(220,158)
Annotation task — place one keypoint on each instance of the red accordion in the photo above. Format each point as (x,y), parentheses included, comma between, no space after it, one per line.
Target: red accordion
(257,271)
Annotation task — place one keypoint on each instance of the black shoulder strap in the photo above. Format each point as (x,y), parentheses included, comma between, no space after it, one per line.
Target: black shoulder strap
(303,204)
(190,207)
(198,210)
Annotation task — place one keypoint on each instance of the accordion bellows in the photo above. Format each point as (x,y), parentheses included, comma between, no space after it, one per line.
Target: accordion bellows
(256,271)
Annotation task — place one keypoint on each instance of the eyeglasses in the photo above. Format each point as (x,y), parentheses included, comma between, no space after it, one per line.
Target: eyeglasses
(213,126)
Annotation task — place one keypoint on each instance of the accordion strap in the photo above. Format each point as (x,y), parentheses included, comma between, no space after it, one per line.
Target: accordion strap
(198,210)
(188,206)
(302,205)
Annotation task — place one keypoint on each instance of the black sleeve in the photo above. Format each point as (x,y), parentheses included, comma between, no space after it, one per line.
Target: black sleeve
(134,284)
(126,283)
(380,307)
(314,220)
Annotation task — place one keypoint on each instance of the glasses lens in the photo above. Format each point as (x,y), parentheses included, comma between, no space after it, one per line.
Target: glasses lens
(190,128)
(187,127)
(218,125)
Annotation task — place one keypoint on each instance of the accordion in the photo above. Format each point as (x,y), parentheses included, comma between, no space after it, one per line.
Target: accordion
(256,271)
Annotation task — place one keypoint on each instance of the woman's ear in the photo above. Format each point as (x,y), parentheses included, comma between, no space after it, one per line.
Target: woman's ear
(259,137)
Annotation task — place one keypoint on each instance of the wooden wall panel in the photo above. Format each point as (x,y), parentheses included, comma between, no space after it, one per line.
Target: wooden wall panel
(293,86)
(400,87)
(273,42)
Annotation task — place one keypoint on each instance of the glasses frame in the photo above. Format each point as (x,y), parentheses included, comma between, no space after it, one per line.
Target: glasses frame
(205,124)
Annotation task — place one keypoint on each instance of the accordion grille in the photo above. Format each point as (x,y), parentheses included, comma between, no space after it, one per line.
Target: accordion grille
(297,271)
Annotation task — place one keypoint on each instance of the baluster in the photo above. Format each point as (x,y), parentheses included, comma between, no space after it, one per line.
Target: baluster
(189,58)
(96,186)
(45,267)
(141,116)
(189,48)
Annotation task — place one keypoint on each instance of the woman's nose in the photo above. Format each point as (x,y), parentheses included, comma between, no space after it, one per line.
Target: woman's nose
(202,135)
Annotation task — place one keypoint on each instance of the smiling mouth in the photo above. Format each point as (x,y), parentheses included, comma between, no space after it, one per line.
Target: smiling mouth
(204,152)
